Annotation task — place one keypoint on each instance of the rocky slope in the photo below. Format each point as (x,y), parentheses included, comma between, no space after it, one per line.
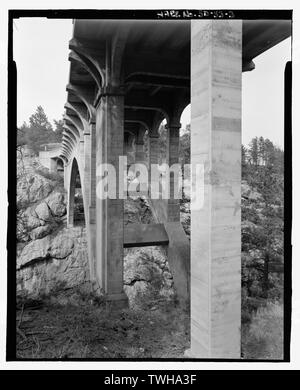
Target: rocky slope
(52,259)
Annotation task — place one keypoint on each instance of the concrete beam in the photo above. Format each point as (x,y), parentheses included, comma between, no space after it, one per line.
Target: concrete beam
(136,235)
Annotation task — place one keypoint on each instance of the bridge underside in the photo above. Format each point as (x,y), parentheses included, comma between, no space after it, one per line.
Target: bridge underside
(125,78)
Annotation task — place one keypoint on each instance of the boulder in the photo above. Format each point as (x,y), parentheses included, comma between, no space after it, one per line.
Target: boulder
(36,250)
(40,232)
(56,203)
(43,212)
(137,293)
(53,264)
(32,188)
(147,276)
(30,218)
(62,245)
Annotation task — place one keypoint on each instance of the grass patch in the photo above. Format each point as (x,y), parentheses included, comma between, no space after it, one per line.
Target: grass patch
(262,337)
(95,331)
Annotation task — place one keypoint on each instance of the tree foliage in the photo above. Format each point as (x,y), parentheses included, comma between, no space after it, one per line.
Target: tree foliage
(39,131)
(262,217)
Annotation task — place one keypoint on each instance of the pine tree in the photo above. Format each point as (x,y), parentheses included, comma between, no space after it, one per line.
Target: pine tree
(58,129)
(261,150)
(264,236)
(39,119)
(253,151)
(40,130)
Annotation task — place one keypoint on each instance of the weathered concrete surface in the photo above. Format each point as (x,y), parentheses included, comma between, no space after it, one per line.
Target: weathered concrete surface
(216,54)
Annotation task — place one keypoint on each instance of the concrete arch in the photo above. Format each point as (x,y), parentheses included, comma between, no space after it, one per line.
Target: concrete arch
(63,158)
(70,136)
(75,121)
(92,57)
(66,149)
(68,145)
(75,169)
(85,95)
(85,62)
(81,111)
(72,129)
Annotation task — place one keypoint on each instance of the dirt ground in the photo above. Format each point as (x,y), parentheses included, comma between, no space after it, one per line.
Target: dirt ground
(46,331)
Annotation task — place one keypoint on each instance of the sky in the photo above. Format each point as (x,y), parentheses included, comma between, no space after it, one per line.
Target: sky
(41,54)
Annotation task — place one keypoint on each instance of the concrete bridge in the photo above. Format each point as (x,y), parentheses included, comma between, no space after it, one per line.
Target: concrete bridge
(125,78)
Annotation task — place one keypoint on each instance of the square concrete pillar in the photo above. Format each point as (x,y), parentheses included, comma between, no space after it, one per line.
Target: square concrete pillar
(173,207)
(153,142)
(87,174)
(109,212)
(90,194)
(167,211)
(140,155)
(159,205)
(92,156)
(216,70)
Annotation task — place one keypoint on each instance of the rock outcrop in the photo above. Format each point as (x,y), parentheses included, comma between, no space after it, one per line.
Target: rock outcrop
(52,259)
(53,264)
(147,276)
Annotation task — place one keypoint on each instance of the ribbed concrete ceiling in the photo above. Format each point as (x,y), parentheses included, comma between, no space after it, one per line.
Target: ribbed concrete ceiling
(174,35)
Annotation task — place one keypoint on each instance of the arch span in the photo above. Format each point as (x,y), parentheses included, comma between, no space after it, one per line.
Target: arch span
(76,209)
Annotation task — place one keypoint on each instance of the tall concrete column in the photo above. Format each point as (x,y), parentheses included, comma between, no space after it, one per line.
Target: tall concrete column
(66,172)
(140,156)
(87,173)
(71,195)
(92,156)
(141,161)
(92,202)
(153,149)
(159,205)
(167,211)
(109,212)
(179,248)
(173,207)
(128,149)
(89,193)
(216,70)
